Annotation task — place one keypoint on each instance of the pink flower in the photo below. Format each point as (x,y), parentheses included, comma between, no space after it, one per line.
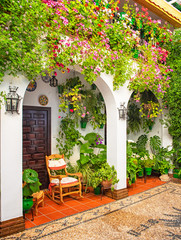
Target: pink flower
(71,110)
(59,116)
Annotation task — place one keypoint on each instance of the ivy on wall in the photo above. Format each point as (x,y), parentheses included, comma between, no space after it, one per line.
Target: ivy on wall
(173,98)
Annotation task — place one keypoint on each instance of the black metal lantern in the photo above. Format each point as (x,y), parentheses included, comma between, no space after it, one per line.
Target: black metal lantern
(53,81)
(122,111)
(12,100)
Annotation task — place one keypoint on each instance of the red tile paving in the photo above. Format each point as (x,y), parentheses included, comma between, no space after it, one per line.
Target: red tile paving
(52,211)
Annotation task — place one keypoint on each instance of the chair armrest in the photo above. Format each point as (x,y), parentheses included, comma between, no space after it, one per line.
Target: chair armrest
(58,176)
(75,174)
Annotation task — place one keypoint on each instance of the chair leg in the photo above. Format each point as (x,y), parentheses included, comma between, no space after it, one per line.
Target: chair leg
(61,197)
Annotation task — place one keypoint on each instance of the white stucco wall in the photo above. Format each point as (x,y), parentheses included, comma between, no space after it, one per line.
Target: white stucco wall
(32,99)
(11,155)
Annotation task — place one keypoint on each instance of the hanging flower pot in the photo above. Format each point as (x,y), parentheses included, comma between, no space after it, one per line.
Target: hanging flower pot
(93,86)
(71,107)
(101,126)
(60,89)
(135,53)
(83,123)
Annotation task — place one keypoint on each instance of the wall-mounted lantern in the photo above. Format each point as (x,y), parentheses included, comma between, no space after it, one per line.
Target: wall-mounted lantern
(12,100)
(122,111)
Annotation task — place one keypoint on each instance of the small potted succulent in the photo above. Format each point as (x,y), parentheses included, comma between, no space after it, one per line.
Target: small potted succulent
(31,185)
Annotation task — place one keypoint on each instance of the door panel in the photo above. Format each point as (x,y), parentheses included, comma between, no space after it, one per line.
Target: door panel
(36,140)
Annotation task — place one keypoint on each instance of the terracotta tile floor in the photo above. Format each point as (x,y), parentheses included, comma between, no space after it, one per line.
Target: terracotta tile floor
(52,211)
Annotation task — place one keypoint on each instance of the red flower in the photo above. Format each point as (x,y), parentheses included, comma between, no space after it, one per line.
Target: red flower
(117,8)
(102,20)
(170,40)
(68,70)
(55,73)
(97,8)
(86,5)
(71,110)
(99,33)
(99,25)
(103,8)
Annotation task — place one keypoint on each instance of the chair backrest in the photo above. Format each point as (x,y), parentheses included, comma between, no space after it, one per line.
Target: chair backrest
(55,162)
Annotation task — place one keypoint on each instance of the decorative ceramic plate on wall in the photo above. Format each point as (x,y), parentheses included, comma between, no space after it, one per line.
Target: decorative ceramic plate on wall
(32,86)
(43,100)
(46,78)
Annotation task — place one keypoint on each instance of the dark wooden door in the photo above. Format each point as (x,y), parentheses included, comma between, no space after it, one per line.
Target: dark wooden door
(36,140)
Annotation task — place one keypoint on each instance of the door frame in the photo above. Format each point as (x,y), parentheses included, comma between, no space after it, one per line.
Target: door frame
(48,109)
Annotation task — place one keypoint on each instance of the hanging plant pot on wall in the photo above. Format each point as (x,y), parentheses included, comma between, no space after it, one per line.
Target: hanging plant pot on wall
(101,126)
(83,123)
(60,89)
(93,86)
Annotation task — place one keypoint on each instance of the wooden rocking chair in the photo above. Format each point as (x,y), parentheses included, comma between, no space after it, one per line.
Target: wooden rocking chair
(61,185)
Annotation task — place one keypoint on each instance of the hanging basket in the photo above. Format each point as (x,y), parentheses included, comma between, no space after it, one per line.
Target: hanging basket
(83,124)
(60,89)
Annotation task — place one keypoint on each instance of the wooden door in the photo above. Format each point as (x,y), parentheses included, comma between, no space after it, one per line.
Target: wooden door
(36,140)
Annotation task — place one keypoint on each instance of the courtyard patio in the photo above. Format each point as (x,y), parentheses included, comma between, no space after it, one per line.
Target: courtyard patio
(52,211)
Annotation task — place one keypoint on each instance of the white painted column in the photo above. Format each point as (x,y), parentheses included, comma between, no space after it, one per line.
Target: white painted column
(11,155)
(116,128)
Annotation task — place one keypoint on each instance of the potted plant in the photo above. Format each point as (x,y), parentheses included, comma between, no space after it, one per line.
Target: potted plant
(149,162)
(164,166)
(104,175)
(132,163)
(31,185)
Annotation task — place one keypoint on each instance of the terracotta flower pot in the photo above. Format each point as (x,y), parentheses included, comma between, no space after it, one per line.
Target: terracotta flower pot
(106,183)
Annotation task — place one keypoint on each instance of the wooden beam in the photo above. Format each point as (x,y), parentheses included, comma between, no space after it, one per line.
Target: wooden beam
(164,10)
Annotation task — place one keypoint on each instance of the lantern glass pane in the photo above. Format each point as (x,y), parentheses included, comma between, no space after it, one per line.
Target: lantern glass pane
(8,104)
(14,104)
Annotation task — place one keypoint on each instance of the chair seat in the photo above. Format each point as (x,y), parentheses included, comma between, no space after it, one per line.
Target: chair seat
(65,181)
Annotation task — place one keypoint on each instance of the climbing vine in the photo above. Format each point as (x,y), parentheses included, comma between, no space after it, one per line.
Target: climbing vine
(173,98)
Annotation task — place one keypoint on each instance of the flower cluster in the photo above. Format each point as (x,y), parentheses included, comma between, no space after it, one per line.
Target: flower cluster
(98,140)
(69,32)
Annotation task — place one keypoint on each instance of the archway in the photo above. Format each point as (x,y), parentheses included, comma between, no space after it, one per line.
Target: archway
(11,139)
